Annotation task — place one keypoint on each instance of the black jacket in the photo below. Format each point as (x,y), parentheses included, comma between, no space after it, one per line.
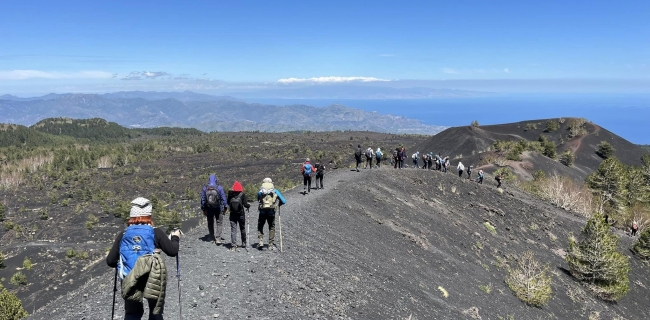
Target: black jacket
(244,201)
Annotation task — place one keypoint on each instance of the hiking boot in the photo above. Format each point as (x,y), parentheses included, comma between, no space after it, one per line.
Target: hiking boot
(260,243)
(243,244)
(271,246)
(233,248)
(217,241)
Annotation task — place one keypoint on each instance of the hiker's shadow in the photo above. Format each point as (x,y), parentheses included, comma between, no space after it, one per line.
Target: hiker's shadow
(206,238)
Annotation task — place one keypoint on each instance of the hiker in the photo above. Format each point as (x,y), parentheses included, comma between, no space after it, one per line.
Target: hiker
(438,162)
(357,156)
(460,169)
(469,172)
(369,156)
(320,172)
(402,158)
(447,164)
(136,255)
(378,155)
(214,205)
(416,157)
(635,228)
(307,170)
(425,161)
(395,157)
(270,200)
(430,160)
(498,178)
(237,202)
(480,177)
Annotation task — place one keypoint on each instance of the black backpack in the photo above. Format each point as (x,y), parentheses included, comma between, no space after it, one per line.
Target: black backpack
(212,198)
(320,169)
(236,205)
(358,153)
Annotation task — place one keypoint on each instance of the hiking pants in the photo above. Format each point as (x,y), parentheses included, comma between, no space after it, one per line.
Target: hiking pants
(480,180)
(358,162)
(214,214)
(368,162)
(460,173)
(469,175)
(266,218)
(319,178)
(134,310)
(498,183)
(378,160)
(237,219)
(307,181)
(415,163)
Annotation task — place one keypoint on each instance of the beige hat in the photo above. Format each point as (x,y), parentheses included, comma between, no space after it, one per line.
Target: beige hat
(140,207)
(267,180)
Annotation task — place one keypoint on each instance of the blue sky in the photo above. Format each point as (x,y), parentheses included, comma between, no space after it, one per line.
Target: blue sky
(66,46)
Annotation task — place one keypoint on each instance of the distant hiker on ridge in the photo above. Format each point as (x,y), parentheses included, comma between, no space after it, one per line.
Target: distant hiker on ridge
(402,157)
(469,172)
(460,169)
(214,205)
(357,156)
(237,202)
(416,157)
(498,178)
(320,173)
(136,255)
(369,155)
(378,155)
(480,177)
(270,200)
(307,170)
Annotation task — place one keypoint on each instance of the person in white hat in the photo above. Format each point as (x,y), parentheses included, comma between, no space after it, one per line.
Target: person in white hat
(141,241)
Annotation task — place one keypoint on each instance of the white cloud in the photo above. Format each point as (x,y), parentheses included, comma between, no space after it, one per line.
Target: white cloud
(38,74)
(330,80)
(506,70)
(449,71)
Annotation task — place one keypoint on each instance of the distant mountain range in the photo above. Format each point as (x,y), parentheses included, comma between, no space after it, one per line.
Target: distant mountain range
(205,112)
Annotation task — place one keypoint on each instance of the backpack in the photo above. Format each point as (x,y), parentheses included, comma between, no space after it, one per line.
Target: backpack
(308,169)
(358,153)
(236,205)
(268,197)
(137,241)
(369,153)
(414,156)
(320,169)
(378,154)
(212,197)
(469,169)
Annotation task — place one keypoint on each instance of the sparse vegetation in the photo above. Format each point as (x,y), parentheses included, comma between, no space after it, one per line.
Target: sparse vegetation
(27,264)
(530,281)
(605,149)
(18,279)
(2,260)
(567,158)
(642,246)
(596,260)
(490,227)
(91,221)
(70,253)
(10,306)
(3,211)
(486,288)
(552,125)
(577,127)
(530,126)
(506,173)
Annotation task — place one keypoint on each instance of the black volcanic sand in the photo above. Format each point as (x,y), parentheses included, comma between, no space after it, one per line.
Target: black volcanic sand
(381,244)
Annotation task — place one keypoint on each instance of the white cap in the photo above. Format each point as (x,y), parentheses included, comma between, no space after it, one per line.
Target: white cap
(140,207)
(267,180)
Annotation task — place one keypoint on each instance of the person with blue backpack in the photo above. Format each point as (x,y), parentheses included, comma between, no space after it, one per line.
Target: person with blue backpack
(307,170)
(270,200)
(214,205)
(136,255)
(378,155)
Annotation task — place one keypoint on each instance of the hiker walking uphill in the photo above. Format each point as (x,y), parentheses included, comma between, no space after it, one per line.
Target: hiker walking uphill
(136,255)
(357,156)
(214,205)
(320,173)
(307,171)
(270,200)
(498,178)
(416,157)
(469,172)
(378,155)
(480,177)
(237,202)
(460,169)
(369,155)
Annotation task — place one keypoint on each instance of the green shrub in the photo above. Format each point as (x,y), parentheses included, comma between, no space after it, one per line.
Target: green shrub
(605,149)
(18,279)
(44,215)
(506,174)
(91,221)
(475,123)
(530,126)
(531,281)
(27,264)
(9,225)
(70,253)
(552,125)
(10,306)
(596,260)
(65,202)
(577,127)
(82,255)
(539,175)
(567,158)
(642,246)
(2,260)
(3,210)
(490,227)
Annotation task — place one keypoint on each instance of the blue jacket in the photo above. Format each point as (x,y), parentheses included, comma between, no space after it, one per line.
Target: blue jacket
(281,201)
(212,181)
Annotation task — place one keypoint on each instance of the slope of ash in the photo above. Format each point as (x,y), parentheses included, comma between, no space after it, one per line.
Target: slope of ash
(381,244)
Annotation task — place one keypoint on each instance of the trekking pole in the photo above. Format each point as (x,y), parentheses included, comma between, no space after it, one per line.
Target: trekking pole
(248,225)
(280,225)
(178,276)
(114,291)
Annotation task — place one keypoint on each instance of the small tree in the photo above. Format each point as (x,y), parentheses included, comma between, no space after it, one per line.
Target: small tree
(642,246)
(27,264)
(475,123)
(597,261)
(530,282)
(91,221)
(18,279)
(605,149)
(552,125)
(567,158)
(10,306)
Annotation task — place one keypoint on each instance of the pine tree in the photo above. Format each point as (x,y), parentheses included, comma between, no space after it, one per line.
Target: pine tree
(10,306)
(605,149)
(596,260)
(609,182)
(642,247)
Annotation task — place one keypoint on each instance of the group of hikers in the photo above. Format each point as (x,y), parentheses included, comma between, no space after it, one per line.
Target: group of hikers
(429,161)
(136,251)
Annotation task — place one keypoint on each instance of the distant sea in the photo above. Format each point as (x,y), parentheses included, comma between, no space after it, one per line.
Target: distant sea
(625,115)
